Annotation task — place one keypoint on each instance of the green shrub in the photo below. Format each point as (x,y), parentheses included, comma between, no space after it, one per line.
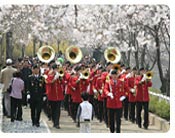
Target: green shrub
(159,107)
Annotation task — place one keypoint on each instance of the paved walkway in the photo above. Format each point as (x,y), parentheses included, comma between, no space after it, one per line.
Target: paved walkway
(66,123)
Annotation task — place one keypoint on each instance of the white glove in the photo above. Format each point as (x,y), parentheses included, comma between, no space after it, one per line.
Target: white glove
(44,98)
(132,90)
(110,94)
(56,76)
(101,91)
(122,98)
(95,91)
(45,76)
(144,78)
(28,96)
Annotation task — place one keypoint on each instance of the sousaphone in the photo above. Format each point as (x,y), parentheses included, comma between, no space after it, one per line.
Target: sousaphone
(46,54)
(73,54)
(112,54)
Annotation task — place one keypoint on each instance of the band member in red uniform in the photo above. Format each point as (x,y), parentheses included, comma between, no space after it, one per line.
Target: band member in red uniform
(75,93)
(99,87)
(142,98)
(55,96)
(104,76)
(115,96)
(126,76)
(132,92)
(67,92)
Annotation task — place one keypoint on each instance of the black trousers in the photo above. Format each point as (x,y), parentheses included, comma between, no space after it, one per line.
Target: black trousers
(105,112)
(16,109)
(74,110)
(3,106)
(145,106)
(115,119)
(126,103)
(36,107)
(100,110)
(55,111)
(132,111)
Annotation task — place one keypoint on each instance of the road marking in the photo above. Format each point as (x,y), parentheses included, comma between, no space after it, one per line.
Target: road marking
(47,127)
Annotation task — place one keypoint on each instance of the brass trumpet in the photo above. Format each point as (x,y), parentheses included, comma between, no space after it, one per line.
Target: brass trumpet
(85,74)
(149,75)
(61,71)
(116,67)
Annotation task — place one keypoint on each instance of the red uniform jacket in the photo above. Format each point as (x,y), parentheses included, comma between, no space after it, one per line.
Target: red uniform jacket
(117,93)
(131,84)
(99,86)
(103,77)
(50,76)
(142,94)
(66,78)
(57,91)
(92,80)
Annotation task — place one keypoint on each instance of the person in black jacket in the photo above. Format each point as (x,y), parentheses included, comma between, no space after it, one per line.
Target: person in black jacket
(25,73)
(36,94)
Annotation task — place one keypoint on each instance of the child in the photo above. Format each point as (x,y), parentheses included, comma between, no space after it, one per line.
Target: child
(85,114)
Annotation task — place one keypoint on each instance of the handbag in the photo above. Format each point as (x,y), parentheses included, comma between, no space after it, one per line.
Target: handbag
(9,89)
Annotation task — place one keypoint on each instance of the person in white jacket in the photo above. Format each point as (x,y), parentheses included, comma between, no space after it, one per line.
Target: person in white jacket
(85,114)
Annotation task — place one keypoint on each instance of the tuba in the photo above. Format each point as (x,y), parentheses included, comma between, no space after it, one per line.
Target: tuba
(149,75)
(46,54)
(112,54)
(73,54)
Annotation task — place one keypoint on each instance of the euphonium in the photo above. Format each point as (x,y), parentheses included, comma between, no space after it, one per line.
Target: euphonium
(73,54)
(46,54)
(112,54)
(149,75)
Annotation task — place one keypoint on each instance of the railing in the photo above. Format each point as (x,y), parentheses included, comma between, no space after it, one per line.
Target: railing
(160,96)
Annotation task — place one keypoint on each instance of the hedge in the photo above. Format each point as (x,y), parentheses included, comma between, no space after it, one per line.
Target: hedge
(159,107)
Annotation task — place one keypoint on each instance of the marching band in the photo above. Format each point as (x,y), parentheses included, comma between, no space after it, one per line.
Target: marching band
(114,90)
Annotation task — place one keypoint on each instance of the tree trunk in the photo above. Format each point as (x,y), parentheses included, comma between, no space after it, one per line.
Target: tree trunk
(162,79)
(9,45)
(41,43)
(34,46)
(143,56)
(23,50)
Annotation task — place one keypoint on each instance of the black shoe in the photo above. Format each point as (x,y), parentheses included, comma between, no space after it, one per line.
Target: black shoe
(12,120)
(19,119)
(57,127)
(139,126)
(145,127)
(37,125)
(8,116)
